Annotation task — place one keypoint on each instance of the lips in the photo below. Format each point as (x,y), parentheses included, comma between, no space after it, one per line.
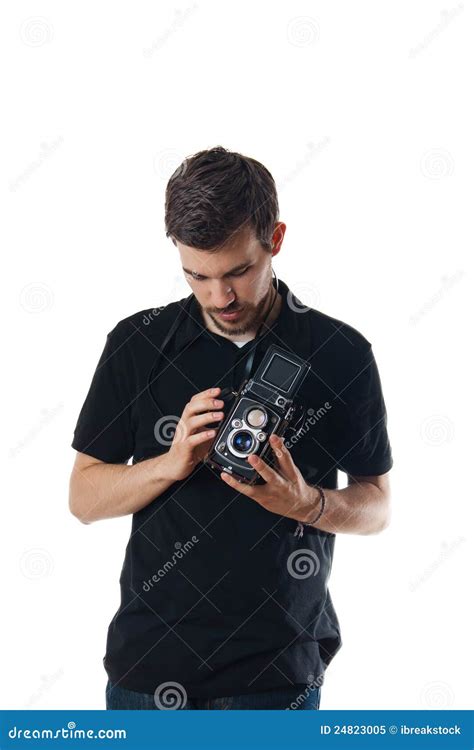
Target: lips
(230,315)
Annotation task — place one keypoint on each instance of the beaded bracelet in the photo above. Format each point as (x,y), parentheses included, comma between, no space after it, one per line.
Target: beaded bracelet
(299,528)
(321,510)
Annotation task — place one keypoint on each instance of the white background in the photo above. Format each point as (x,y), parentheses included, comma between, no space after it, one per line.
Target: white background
(361,111)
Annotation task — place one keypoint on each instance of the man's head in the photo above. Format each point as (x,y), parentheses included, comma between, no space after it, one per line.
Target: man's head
(222,214)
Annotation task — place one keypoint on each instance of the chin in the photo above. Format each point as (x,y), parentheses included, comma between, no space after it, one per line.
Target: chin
(237,329)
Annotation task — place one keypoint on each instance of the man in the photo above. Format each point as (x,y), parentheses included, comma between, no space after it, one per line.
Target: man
(224,598)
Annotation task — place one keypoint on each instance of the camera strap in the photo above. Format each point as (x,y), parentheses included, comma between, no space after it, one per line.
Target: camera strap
(251,355)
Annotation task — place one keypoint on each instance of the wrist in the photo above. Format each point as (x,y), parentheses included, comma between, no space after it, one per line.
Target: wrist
(163,472)
(311,506)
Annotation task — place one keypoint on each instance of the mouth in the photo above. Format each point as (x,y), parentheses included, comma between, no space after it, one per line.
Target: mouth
(233,315)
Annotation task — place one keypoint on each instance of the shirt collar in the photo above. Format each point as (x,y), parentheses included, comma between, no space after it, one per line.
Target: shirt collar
(292,328)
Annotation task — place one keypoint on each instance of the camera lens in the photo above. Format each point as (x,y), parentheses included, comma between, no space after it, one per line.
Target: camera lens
(256,417)
(242,441)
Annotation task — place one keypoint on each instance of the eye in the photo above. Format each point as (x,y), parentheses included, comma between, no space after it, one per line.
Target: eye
(241,273)
(196,276)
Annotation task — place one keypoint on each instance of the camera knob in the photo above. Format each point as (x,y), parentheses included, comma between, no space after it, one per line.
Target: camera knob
(261,436)
(236,423)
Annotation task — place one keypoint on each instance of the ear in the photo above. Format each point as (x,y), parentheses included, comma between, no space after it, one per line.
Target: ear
(277,237)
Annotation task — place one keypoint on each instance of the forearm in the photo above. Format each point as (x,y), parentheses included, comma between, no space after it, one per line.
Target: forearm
(105,490)
(359,508)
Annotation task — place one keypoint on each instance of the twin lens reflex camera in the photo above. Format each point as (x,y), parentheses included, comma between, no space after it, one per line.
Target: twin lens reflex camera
(264,405)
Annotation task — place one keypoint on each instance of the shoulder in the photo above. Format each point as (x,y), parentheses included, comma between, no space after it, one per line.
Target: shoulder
(329,329)
(140,334)
(143,322)
(337,342)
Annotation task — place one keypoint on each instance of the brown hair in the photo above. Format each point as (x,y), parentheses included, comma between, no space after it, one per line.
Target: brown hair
(215,193)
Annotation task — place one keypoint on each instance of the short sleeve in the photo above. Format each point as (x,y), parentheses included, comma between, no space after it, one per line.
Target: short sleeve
(362,446)
(104,427)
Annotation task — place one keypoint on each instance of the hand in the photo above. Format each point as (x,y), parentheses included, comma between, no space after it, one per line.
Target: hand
(285,491)
(192,439)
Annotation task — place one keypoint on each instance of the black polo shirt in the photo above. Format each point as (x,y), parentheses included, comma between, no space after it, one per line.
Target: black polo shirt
(217,593)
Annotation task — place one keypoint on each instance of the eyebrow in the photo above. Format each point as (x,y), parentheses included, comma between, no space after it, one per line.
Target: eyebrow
(229,273)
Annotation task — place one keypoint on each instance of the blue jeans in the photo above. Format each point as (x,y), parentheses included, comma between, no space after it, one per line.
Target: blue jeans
(299,697)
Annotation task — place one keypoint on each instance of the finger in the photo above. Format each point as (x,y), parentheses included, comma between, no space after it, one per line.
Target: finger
(285,460)
(202,405)
(201,437)
(209,393)
(266,472)
(246,489)
(201,420)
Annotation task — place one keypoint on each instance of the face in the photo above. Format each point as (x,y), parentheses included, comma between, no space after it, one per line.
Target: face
(233,284)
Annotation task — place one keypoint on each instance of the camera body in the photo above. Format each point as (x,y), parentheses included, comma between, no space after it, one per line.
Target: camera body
(263,406)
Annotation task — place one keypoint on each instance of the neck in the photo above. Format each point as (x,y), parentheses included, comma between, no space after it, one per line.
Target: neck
(274,306)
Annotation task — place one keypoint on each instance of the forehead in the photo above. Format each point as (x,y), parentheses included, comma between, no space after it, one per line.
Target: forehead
(242,247)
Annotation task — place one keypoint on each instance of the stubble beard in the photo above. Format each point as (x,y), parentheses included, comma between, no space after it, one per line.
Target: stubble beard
(253,317)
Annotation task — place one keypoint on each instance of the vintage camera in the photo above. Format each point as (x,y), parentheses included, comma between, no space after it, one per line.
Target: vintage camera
(264,405)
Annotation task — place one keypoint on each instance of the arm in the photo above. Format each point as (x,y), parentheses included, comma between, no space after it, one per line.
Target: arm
(99,490)
(363,507)
(360,508)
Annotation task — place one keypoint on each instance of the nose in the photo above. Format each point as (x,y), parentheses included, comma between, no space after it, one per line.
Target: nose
(221,294)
